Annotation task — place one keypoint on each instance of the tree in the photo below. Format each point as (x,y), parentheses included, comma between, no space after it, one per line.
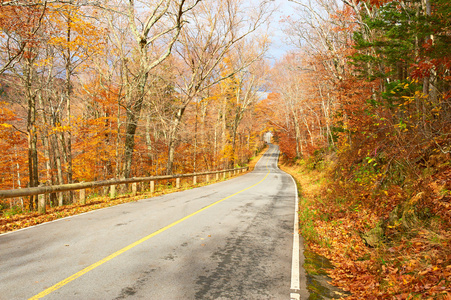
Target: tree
(249,83)
(12,146)
(148,28)
(214,32)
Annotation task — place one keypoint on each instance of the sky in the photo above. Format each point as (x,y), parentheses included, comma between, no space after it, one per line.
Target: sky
(280,45)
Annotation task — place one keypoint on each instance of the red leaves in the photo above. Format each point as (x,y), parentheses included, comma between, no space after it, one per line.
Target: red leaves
(422,69)
(425,66)
(408,264)
(287,144)
(376,3)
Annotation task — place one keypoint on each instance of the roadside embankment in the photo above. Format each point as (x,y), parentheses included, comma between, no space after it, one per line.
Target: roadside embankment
(377,251)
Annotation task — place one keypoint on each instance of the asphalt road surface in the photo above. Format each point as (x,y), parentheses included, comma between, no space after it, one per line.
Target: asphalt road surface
(229,240)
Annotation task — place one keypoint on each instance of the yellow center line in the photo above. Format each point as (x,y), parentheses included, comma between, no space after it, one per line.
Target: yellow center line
(119,252)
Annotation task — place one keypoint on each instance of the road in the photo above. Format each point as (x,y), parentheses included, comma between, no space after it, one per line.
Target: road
(229,240)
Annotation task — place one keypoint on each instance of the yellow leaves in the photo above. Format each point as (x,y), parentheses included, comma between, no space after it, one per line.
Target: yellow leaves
(57,41)
(60,128)
(85,37)
(408,99)
(44,62)
(227,151)
(5,125)
(418,94)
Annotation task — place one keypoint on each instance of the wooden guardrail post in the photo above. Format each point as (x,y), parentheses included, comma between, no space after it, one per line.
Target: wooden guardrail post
(60,199)
(82,196)
(177,182)
(41,204)
(134,188)
(207,178)
(217,176)
(194,179)
(112,191)
(152,187)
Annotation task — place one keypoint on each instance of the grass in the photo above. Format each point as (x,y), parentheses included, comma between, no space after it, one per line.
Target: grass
(308,189)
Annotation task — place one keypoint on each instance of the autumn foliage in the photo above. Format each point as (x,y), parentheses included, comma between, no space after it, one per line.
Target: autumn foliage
(87,93)
(367,101)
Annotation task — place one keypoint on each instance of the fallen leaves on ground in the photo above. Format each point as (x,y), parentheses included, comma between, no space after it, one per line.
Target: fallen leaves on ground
(23,220)
(414,264)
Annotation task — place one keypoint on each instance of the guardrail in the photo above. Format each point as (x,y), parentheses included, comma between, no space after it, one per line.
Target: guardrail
(112,183)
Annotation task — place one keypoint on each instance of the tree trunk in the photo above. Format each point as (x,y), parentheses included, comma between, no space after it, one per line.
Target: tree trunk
(31,130)
(149,140)
(297,132)
(57,153)
(68,109)
(224,132)
(215,141)
(172,140)
(19,183)
(195,142)
(130,130)
(47,149)
(134,107)
(236,123)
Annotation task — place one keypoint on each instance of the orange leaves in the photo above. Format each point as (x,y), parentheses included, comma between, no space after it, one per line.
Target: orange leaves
(287,144)
(12,154)
(96,134)
(420,271)
(345,251)
(406,265)
(95,143)
(384,156)
(21,20)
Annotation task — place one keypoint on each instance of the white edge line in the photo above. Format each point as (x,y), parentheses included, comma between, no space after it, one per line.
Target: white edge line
(295,266)
(294,296)
(295,277)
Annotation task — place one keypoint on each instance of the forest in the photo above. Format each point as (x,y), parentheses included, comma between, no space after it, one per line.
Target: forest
(366,130)
(361,111)
(117,89)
